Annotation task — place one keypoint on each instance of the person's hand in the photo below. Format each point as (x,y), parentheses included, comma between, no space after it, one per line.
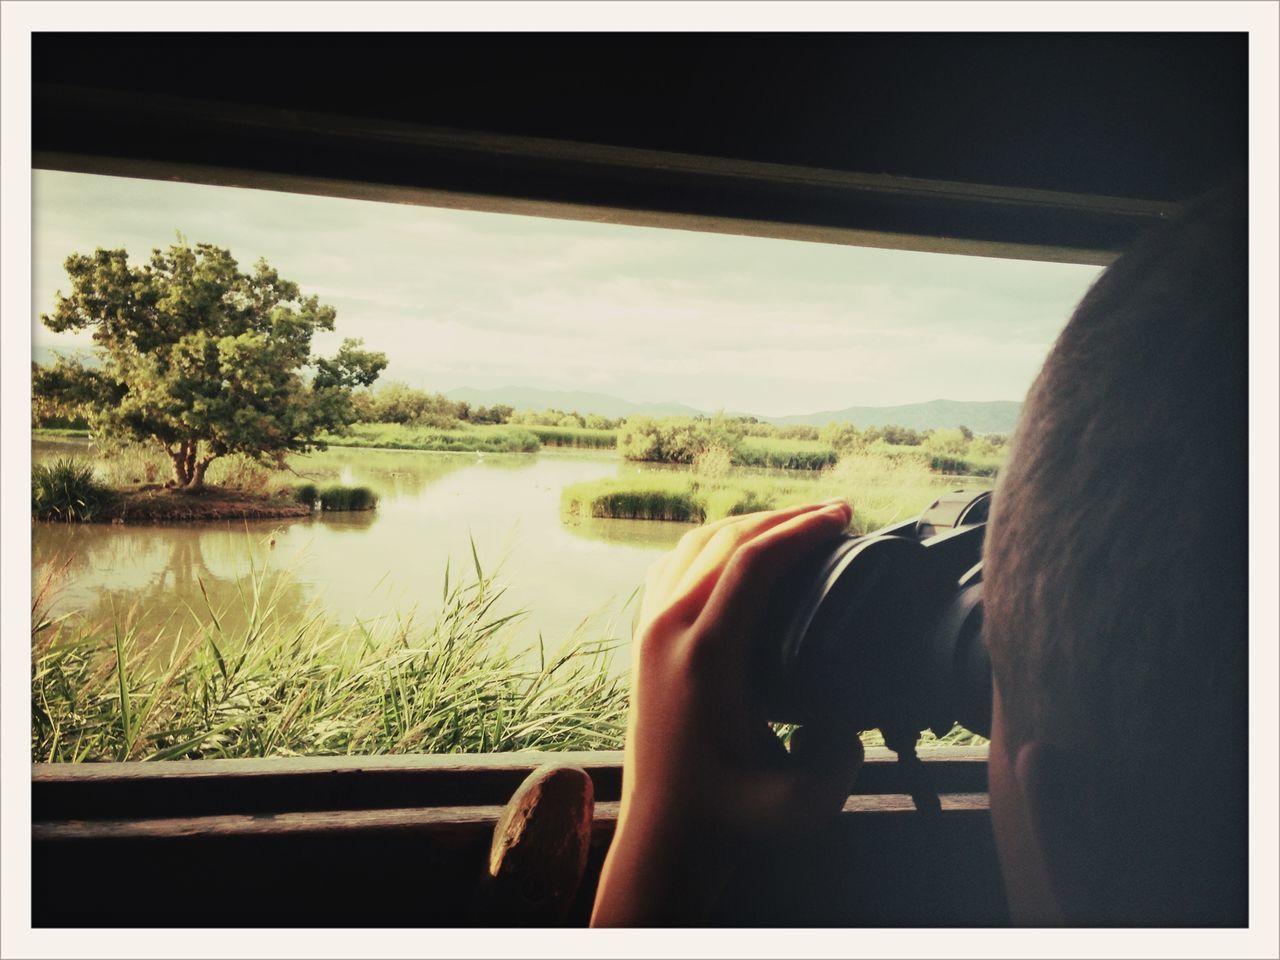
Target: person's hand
(703,774)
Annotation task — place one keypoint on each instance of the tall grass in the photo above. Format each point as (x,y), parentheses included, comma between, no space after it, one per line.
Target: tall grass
(583,437)
(68,490)
(680,496)
(883,490)
(290,683)
(307,493)
(338,497)
(398,436)
(784,454)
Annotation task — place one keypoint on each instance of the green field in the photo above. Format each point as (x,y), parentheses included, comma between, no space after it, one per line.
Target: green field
(881,490)
(397,436)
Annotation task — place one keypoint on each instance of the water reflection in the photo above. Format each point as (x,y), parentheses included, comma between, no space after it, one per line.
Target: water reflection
(371,565)
(656,533)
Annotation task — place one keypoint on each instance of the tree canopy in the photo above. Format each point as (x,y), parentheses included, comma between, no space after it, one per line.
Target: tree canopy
(200,357)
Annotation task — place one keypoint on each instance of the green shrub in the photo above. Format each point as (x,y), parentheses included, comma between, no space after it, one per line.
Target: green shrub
(307,493)
(688,439)
(677,439)
(67,490)
(338,497)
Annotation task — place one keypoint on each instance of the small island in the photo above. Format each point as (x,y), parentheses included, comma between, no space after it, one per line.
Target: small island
(205,364)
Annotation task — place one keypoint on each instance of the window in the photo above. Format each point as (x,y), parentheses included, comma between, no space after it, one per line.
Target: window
(561,399)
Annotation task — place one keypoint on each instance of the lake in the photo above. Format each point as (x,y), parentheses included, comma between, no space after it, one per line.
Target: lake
(379,564)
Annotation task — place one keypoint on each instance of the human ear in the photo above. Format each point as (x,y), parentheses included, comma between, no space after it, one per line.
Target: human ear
(1070,830)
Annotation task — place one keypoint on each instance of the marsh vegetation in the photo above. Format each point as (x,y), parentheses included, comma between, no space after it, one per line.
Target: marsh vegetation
(341,630)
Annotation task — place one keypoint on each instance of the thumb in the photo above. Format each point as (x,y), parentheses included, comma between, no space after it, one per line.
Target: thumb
(824,766)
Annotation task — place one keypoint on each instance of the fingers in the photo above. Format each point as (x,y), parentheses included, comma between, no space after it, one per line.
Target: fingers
(689,577)
(737,597)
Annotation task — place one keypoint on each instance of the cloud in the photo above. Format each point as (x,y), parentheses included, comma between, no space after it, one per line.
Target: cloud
(462,298)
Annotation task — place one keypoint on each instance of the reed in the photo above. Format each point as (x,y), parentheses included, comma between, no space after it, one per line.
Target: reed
(307,493)
(340,498)
(579,437)
(68,490)
(785,454)
(289,683)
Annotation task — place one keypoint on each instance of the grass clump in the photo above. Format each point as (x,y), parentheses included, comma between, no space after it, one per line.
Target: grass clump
(307,493)
(684,497)
(68,490)
(580,437)
(785,454)
(338,498)
(290,683)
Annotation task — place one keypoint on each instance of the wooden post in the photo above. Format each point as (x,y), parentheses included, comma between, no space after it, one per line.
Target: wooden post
(539,850)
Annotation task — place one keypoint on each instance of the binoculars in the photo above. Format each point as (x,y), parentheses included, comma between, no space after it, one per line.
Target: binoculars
(885,630)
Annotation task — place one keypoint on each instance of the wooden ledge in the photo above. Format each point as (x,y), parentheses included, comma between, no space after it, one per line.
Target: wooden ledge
(202,788)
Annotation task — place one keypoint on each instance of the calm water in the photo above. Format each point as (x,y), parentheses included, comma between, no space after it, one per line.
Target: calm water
(379,564)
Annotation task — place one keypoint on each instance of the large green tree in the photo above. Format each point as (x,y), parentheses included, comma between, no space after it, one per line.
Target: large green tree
(201,358)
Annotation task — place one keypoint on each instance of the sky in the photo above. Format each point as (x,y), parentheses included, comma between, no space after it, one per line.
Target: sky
(460,298)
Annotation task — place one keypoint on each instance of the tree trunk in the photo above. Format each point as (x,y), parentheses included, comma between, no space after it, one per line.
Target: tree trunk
(181,475)
(197,473)
(188,472)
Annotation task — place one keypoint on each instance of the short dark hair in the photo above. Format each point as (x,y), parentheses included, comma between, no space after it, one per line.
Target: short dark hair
(1115,567)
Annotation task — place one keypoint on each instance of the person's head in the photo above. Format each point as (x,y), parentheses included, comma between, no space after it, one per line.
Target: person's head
(1114,596)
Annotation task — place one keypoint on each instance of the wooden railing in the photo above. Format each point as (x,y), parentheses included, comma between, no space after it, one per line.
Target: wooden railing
(403,841)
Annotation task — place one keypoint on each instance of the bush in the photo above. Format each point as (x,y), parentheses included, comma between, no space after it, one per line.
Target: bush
(307,493)
(677,439)
(339,497)
(713,463)
(842,436)
(67,490)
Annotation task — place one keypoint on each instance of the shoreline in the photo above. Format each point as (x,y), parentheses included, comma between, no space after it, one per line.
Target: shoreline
(160,505)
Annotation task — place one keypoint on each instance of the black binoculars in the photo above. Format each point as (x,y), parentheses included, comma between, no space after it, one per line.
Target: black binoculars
(885,630)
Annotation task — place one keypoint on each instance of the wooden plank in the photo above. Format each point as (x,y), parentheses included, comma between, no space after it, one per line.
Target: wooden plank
(879,864)
(254,786)
(460,820)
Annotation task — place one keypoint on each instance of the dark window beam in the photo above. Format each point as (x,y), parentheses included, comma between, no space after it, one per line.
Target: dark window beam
(157,137)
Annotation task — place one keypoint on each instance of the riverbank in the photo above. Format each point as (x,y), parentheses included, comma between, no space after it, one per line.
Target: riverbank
(161,505)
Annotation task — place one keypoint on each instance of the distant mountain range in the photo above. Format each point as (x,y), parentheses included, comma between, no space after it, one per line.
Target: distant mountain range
(980,416)
(985,416)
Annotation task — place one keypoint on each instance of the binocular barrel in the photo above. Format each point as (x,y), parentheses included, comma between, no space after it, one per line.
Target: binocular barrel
(885,630)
